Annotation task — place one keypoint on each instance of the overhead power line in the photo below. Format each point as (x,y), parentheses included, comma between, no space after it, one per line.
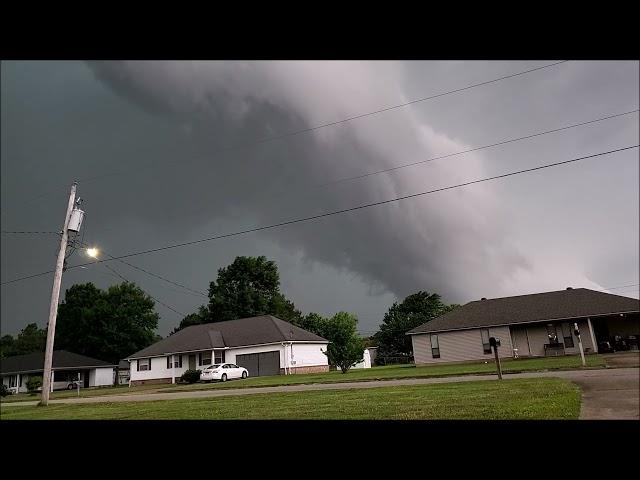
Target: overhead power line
(159,301)
(338,212)
(325,125)
(475,149)
(5,232)
(623,286)
(147,272)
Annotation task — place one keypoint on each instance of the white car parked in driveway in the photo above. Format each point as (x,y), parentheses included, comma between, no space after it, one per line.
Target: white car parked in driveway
(223,372)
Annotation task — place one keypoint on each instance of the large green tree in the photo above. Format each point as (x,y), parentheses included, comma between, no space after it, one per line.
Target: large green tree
(30,339)
(250,286)
(413,311)
(108,325)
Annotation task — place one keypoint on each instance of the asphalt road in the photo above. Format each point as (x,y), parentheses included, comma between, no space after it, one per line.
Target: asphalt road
(607,393)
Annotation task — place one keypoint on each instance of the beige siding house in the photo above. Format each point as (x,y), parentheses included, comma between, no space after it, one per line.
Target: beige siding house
(534,325)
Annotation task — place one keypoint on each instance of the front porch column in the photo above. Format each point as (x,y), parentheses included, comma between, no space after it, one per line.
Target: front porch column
(173,369)
(593,337)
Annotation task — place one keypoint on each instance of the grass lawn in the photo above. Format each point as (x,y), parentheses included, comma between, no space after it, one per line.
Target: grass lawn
(405,371)
(358,375)
(84,392)
(539,398)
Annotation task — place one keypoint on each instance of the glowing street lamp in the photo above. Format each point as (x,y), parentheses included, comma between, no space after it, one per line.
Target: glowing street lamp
(93,252)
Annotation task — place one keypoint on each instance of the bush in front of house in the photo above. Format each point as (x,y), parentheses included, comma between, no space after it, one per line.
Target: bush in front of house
(190,376)
(33,384)
(4,390)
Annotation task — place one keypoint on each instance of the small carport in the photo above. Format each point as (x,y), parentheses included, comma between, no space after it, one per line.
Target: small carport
(617,333)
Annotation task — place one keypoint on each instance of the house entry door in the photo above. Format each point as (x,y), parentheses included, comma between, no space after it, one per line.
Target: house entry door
(192,362)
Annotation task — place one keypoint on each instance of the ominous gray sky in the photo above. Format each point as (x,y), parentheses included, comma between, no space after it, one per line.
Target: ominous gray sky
(163,128)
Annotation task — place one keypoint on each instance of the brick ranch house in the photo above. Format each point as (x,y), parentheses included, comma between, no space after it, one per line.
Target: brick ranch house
(264,345)
(533,325)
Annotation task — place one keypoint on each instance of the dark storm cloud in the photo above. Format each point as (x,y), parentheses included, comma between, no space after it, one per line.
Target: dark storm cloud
(169,131)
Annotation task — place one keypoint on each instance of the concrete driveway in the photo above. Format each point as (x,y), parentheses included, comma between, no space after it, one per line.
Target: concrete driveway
(607,393)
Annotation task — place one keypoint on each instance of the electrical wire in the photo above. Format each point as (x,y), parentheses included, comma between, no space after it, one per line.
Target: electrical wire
(160,302)
(5,232)
(197,292)
(342,211)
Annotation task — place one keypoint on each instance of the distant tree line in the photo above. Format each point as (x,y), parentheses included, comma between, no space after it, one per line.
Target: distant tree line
(113,323)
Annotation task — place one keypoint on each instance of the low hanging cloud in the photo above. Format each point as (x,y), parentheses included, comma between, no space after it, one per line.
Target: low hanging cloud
(452,242)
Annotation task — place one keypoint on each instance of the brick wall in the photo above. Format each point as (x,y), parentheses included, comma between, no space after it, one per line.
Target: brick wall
(151,381)
(310,369)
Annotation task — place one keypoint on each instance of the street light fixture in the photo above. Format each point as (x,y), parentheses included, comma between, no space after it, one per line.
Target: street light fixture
(93,252)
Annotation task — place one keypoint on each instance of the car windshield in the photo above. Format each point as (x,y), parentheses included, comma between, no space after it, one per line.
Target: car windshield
(213,367)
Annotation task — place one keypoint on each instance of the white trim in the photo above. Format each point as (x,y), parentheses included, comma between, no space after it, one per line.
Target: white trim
(559,319)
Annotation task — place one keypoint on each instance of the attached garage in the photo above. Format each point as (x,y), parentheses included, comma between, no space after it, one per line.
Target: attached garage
(260,364)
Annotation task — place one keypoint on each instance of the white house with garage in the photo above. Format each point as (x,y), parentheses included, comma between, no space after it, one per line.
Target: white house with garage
(68,369)
(264,345)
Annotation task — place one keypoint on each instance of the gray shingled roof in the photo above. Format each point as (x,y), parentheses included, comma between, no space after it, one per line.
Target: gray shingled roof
(563,304)
(34,362)
(232,333)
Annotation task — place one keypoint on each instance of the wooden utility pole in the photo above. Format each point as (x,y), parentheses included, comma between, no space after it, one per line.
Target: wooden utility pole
(47,381)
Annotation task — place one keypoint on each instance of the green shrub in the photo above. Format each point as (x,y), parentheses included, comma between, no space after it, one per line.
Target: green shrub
(4,390)
(33,384)
(190,376)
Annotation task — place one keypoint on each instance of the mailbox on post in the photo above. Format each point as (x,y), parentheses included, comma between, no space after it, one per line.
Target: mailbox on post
(495,343)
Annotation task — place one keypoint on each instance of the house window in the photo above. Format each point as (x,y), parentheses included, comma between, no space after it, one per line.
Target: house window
(486,346)
(177,362)
(21,380)
(552,333)
(12,381)
(144,364)
(566,335)
(219,356)
(205,358)
(435,346)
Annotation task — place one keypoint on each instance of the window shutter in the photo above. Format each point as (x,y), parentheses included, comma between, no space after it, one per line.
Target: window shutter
(137,365)
(149,364)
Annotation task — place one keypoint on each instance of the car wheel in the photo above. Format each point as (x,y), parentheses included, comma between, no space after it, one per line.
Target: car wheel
(224,377)
(244,374)
(70,386)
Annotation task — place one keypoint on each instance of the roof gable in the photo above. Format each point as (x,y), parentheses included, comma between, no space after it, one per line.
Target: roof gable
(232,333)
(558,305)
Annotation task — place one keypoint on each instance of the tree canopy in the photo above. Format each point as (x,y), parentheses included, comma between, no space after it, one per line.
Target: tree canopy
(248,287)
(413,311)
(30,339)
(345,348)
(107,325)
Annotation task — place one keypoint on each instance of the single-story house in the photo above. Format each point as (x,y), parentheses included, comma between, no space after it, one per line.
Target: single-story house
(124,373)
(535,325)
(264,345)
(66,367)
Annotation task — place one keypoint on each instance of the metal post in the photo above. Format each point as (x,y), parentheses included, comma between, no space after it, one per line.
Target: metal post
(495,350)
(584,363)
(55,296)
